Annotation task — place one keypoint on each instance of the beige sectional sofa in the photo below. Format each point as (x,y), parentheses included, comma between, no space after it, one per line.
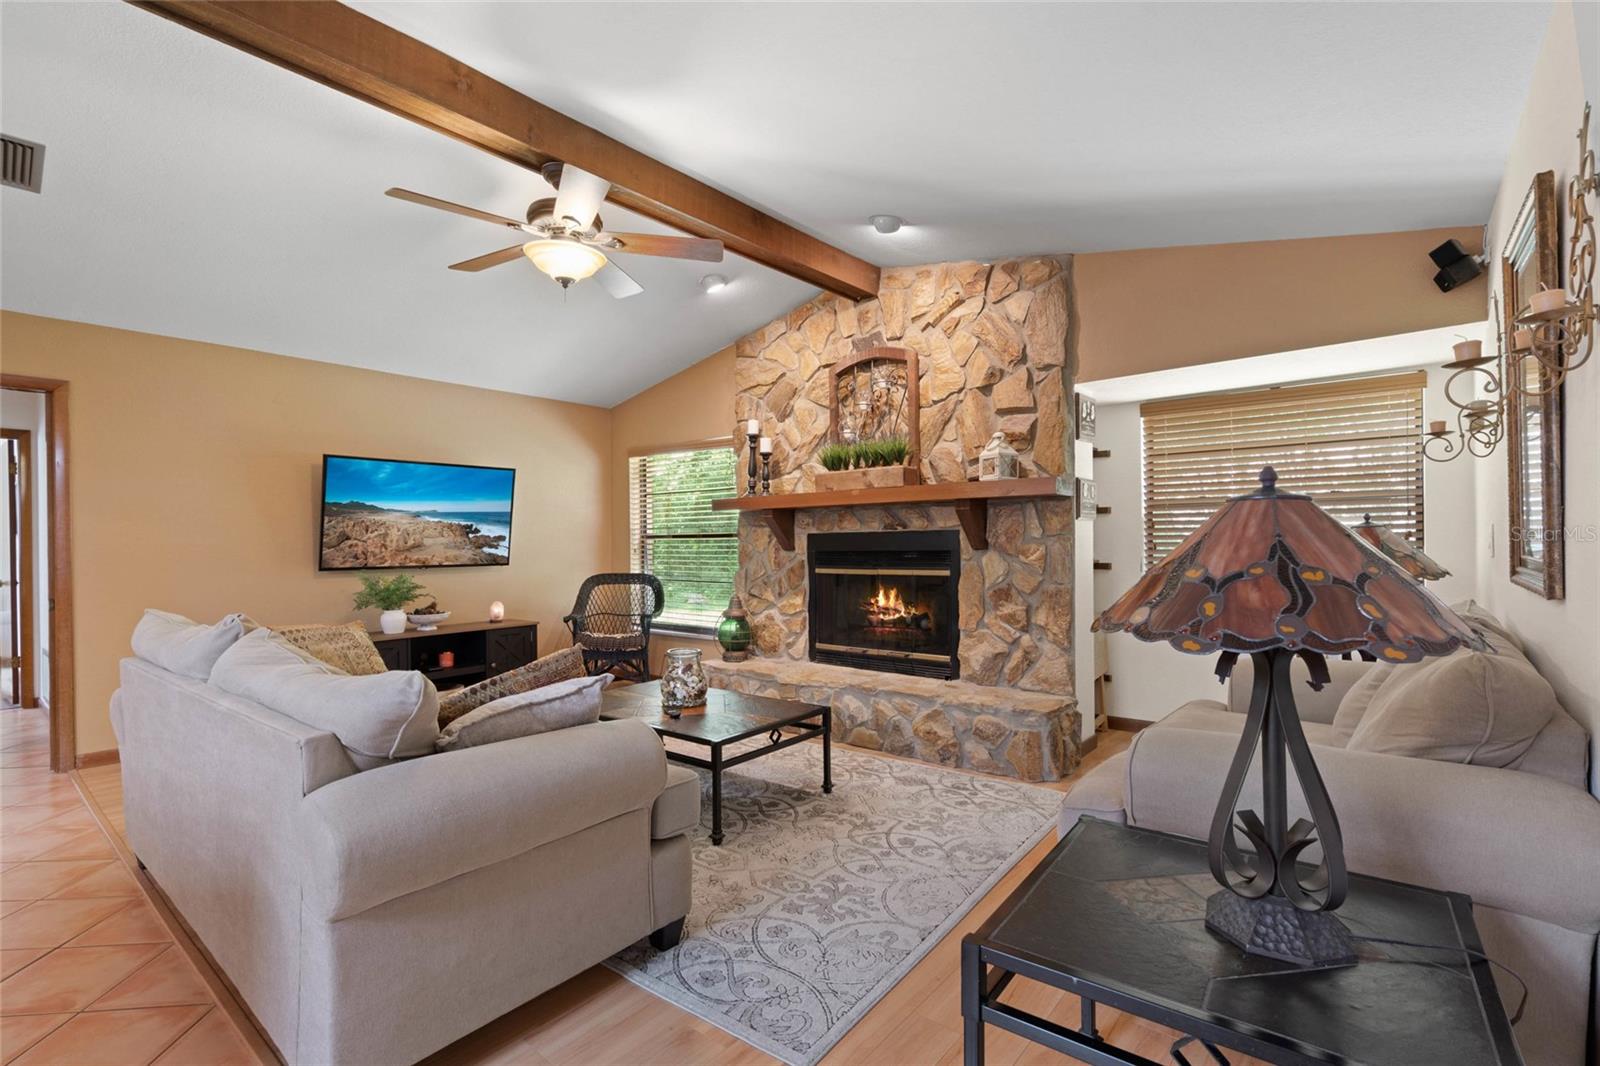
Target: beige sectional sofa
(375,916)
(1523,840)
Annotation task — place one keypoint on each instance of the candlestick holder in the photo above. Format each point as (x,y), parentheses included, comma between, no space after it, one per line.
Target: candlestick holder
(751,484)
(766,474)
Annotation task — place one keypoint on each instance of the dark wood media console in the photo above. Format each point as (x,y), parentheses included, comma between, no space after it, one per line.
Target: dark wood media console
(482,650)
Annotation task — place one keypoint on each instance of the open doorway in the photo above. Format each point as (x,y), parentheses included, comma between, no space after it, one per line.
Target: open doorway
(36,601)
(19,644)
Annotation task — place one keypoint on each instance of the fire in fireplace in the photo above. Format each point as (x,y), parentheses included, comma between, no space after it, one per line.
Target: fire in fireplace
(886,601)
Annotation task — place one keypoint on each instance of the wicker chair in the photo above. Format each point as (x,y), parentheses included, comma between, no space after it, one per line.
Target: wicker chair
(611,619)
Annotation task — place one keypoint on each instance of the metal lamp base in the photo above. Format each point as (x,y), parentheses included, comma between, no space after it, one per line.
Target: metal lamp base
(1273,927)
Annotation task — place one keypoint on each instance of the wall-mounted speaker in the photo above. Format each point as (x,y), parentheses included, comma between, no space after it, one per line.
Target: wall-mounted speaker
(1456,267)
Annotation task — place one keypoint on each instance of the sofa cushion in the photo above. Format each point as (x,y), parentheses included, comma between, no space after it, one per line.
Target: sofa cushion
(1357,699)
(562,665)
(1483,708)
(575,701)
(390,715)
(182,645)
(1100,793)
(1214,717)
(677,809)
(348,647)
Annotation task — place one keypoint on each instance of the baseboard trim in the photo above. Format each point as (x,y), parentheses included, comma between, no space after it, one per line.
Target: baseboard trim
(1088,743)
(99,758)
(1131,725)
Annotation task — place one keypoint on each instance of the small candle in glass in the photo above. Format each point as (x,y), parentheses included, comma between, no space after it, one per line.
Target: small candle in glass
(497,611)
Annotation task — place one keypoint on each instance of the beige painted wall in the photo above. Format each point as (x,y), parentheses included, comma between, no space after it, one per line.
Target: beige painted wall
(1561,634)
(196,471)
(1157,308)
(692,405)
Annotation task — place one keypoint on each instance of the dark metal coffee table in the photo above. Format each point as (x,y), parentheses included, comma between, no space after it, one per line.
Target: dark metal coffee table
(1116,915)
(727,718)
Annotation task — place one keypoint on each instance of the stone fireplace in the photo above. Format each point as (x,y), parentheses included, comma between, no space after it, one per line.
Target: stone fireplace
(969,664)
(886,601)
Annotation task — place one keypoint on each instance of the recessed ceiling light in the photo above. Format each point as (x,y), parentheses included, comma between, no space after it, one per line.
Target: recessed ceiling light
(887,223)
(713,282)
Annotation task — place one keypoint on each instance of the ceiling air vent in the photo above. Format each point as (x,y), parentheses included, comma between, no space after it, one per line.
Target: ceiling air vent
(23,164)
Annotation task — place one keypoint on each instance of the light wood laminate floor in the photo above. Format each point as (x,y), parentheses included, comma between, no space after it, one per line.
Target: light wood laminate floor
(598,1018)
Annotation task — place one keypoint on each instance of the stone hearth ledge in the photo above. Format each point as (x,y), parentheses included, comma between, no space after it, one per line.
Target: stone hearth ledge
(1027,735)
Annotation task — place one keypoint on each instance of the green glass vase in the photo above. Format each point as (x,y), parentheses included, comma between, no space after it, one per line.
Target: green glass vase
(733,633)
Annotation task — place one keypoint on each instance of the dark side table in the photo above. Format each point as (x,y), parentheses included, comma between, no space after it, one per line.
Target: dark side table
(1116,915)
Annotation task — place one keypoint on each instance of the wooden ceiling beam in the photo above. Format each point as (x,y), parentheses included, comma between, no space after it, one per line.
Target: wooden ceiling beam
(356,54)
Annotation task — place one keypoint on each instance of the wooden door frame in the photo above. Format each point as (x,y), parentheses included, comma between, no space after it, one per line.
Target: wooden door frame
(27,674)
(63,717)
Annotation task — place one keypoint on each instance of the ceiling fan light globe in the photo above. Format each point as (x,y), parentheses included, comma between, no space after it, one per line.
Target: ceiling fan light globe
(565,261)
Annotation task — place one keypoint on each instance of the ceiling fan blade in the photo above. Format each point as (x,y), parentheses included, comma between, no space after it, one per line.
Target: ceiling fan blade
(484,262)
(616,281)
(446,205)
(579,196)
(701,248)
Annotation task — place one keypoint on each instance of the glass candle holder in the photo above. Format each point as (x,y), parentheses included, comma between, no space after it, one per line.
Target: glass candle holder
(683,682)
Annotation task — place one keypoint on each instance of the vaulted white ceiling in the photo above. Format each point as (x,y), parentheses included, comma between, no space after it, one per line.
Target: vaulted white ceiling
(195,191)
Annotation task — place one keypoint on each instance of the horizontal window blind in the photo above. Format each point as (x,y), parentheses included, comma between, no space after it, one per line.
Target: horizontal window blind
(676,536)
(1353,446)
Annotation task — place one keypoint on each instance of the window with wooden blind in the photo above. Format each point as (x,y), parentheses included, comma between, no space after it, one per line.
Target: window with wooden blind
(676,536)
(1353,446)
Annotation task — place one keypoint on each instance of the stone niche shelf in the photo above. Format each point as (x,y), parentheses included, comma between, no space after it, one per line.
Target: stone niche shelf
(969,498)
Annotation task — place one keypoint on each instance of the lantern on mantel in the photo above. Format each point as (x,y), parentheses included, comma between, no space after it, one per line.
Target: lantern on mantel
(998,460)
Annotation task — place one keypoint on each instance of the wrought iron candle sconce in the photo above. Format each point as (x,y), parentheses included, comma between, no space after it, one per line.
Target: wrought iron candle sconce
(1558,330)
(1480,421)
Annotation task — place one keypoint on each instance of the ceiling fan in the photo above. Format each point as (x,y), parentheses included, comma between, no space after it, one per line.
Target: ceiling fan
(570,242)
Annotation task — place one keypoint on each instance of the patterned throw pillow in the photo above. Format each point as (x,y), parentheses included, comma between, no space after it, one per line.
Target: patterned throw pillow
(346,647)
(562,705)
(562,665)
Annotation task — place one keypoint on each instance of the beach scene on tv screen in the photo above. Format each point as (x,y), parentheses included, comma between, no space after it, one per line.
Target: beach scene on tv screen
(377,513)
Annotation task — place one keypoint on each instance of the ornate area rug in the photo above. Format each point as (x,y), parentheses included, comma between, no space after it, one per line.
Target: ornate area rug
(814,906)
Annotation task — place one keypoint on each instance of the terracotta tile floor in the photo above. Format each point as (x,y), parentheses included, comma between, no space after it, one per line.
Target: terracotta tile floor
(89,974)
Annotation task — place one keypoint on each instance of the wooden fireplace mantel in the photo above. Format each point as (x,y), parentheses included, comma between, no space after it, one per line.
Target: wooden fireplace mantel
(969,498)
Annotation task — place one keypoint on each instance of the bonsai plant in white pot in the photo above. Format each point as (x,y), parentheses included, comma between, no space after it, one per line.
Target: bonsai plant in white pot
(390,595)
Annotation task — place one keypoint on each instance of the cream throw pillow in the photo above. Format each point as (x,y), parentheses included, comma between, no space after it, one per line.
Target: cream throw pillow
(1483,708)
(183,645)
(390,715)
(575,701)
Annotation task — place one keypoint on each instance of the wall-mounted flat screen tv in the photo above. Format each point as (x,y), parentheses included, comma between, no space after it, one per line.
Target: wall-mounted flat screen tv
(386,514)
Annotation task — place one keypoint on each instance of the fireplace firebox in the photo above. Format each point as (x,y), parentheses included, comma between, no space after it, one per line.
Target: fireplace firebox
(886,601)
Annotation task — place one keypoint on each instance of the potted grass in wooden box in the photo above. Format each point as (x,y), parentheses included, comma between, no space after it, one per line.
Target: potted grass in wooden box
(867,464)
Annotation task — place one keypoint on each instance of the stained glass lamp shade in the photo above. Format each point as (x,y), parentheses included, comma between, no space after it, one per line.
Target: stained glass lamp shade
(1274,576)
(1407,556)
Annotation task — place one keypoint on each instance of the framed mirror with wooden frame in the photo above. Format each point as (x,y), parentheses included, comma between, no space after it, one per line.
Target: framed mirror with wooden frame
(1530,261)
